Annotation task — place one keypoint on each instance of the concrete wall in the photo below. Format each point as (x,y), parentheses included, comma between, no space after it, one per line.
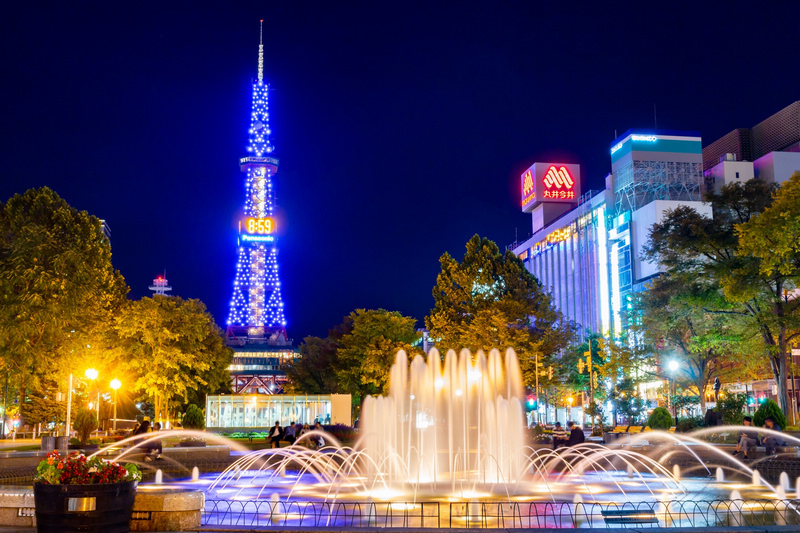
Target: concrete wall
(642,222)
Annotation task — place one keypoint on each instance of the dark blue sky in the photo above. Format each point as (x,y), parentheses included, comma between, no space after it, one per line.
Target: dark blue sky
(402,127)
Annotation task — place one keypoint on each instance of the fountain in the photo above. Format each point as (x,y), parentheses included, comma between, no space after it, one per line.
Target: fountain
(447,425)
(450,436)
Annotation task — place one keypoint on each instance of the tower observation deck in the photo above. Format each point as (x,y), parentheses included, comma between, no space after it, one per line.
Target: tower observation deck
(256,309)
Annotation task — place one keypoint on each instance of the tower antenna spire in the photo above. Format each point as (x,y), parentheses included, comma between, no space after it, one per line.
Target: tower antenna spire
(261,52)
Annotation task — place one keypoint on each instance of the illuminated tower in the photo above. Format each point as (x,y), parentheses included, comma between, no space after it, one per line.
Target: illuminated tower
(256,313)
(160,286)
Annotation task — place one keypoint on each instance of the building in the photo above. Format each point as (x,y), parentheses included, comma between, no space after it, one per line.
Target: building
(586,248)
(256,326)
(251,412)
(769,151)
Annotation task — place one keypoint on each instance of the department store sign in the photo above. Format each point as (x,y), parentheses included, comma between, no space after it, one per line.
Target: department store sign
(550,183)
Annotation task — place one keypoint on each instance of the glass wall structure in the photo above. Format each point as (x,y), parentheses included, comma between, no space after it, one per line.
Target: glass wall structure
(257,411)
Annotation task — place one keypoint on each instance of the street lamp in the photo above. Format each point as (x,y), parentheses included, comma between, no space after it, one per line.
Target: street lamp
(673,366)
(115,384)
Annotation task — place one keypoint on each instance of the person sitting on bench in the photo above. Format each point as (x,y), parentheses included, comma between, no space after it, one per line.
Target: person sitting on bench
(576,435)
(747,439)
(151,448)
(770,441)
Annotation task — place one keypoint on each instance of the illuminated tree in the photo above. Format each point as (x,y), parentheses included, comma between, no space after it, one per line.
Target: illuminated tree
(175,348)
(58,289)
(732,254)
(367,353)
(489,300)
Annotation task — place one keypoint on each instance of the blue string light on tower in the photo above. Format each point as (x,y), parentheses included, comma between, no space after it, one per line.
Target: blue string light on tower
(256,312)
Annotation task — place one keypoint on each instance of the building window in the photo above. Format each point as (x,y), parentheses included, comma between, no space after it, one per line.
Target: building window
(737,175)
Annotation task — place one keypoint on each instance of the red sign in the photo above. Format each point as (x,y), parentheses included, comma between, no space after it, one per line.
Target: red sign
(550,182)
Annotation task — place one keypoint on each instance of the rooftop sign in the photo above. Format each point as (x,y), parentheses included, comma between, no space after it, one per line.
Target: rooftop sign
(550,182)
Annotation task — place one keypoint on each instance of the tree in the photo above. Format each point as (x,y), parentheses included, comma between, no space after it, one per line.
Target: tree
(660,419)
(673,317)
(769,409)
(313,372)
(772,240)
(57,284)
(174,346)
(41,406)
(719,253)
(193,418)
(85,423)
(368,351)
(489,300)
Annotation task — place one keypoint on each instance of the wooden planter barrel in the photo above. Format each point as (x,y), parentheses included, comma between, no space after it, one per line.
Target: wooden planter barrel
(101,508)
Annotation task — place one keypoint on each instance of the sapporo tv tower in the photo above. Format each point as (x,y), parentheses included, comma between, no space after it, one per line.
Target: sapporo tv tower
(256,314)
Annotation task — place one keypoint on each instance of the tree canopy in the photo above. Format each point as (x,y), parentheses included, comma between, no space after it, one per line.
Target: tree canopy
(58,289)
(175,348)
(727,254)
(367,352)
(489,300)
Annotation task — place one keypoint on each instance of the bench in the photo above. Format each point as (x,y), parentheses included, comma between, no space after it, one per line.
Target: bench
(629,516)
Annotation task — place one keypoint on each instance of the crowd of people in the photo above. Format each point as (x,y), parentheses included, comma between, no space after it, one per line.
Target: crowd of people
(297,432)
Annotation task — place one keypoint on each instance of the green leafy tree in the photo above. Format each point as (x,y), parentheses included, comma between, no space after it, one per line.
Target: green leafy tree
(769,409)
(85,423)
(58,288)
(674,318)
(313,372)
(771,241)
(175,347)
(193,418)
(489,300)
(731,407)
(720,254)
(41,406)
(660,419)
(368,351)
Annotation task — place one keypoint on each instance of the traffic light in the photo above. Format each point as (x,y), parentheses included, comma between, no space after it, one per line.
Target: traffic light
(533,404)
(550,372)
(594,380)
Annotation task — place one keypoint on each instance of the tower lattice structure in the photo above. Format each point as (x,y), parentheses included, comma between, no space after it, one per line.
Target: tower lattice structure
(256,310)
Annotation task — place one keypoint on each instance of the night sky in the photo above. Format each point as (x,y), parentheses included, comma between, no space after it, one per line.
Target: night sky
(401,127)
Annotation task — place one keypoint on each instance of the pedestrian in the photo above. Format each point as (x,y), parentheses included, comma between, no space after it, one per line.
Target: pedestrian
(747,439)
(276,434)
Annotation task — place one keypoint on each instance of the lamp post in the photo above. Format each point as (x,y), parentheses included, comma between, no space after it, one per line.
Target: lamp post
(115,384)
(673,366)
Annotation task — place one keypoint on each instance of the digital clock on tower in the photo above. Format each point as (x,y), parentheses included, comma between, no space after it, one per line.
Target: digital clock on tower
(259,226)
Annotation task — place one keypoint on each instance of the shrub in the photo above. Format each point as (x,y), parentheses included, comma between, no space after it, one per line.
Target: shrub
(660,419)
(689,423)
(769,409)
(193,418)
(85,423)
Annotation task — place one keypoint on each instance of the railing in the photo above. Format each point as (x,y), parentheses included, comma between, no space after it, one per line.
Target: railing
(248,513)
(506,515)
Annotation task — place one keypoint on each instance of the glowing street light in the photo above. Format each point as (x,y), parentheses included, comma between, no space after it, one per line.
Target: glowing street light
(91,373)
(115,384)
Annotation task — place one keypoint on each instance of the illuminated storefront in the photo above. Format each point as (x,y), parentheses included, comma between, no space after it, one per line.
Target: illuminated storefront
(261,411)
